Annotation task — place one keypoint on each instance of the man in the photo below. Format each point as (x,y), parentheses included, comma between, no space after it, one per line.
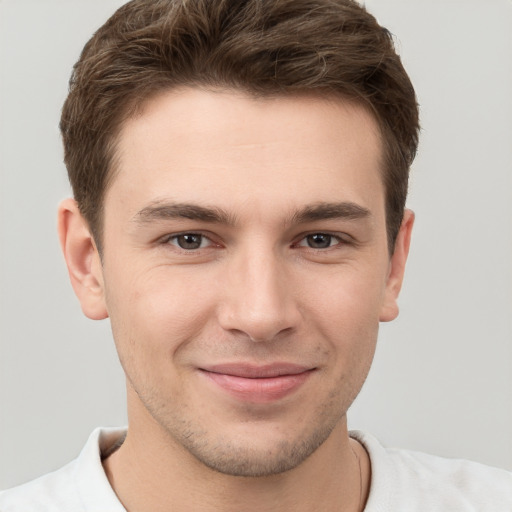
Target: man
(239,172)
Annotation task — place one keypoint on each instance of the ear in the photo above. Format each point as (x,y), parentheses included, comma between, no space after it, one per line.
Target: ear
(82,259)
(389,309)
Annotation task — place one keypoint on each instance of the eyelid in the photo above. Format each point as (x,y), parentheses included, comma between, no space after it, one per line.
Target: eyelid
(166,239)
(343,239)
(304,242)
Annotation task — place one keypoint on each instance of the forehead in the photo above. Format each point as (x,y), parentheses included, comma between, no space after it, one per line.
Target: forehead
(225,146)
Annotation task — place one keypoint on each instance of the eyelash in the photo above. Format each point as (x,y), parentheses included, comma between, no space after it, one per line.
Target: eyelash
(331,237)
(170,238)
(303,238)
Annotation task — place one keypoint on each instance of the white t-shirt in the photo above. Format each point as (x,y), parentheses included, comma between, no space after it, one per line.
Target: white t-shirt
(402,481)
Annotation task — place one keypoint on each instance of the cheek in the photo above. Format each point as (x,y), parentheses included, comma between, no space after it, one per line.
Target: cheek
(350,323)
(157,311)
(347,298)
(346,315)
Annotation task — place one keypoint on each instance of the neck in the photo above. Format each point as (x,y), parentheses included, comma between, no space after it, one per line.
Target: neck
(152,472)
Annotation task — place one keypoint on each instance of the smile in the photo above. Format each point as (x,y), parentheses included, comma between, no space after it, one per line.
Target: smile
(258,384)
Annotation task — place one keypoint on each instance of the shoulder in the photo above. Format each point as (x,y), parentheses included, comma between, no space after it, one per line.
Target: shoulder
(80,486)
(422,482)
(51,492)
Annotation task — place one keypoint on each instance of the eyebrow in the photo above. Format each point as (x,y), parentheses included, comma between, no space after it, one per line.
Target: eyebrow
(324,211)
(310,213)
(168,210)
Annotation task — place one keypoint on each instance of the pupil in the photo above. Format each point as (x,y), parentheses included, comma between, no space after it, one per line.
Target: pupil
(189,241)
(319,241)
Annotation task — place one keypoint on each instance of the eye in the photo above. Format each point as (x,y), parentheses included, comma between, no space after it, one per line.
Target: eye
(319,241)
(189,241)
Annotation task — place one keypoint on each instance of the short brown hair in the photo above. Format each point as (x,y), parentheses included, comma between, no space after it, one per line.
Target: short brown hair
(264,47)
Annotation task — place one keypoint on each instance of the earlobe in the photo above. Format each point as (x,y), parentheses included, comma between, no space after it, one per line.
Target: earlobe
(389,309)
(82,260)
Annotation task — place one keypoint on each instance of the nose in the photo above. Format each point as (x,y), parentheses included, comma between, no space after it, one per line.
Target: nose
(259,298)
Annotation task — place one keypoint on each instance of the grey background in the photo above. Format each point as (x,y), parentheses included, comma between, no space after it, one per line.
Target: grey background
(442,378)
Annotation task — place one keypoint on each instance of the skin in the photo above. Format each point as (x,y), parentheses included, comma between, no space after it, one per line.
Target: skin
(284,201)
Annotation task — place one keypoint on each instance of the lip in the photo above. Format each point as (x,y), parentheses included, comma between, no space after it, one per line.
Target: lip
(258,384)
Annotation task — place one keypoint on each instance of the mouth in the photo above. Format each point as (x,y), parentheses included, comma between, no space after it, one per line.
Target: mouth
(258,384)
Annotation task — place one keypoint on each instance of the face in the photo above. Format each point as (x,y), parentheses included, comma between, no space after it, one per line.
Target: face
(245,271)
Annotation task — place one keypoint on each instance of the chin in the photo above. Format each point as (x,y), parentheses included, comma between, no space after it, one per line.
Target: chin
(254,455)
